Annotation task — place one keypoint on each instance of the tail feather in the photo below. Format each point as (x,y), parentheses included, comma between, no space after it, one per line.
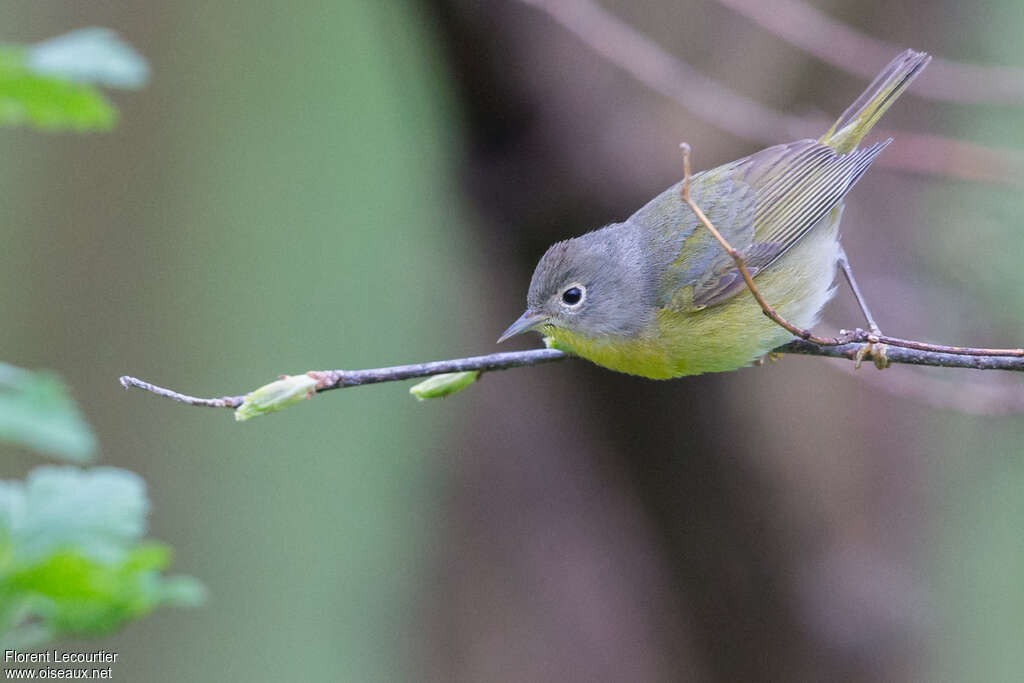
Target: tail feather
(859,117)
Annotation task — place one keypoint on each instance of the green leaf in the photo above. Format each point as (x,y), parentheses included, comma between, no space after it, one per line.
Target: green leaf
(36,412)
(51,85)
(73,594)
(48,102)
(100,512)
(71,557)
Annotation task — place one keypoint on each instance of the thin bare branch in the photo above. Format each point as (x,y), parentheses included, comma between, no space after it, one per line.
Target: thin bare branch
(341,379)
(719,105)
(974,359)
(835,43)
(224,402)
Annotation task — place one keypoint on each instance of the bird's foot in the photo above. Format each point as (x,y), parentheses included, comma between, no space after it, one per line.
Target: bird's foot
(876,352)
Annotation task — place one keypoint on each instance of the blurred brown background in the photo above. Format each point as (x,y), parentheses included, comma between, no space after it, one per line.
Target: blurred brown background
(361,184)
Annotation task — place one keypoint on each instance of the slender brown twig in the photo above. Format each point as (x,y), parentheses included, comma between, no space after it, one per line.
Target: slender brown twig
(222,402)
(972,358)
(341,379)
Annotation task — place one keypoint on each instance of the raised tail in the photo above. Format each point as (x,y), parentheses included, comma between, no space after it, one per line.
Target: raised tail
(859,117)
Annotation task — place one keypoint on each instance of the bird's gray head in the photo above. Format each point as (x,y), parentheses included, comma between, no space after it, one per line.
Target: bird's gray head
(593,285)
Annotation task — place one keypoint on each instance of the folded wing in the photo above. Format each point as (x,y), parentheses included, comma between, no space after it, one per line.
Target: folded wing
(763,205)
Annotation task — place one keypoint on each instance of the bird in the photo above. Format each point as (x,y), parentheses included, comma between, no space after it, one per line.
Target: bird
(657,296)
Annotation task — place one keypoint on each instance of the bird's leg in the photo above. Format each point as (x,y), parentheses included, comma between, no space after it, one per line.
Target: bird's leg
(876,351)
(844,264)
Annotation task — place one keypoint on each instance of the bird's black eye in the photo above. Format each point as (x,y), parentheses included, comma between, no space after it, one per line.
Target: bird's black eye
(572,296)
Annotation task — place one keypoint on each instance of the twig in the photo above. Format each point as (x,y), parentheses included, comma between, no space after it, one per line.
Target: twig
(835,43)
(341,379)
(223,402)
(719,105)
(973,359)
(858,335)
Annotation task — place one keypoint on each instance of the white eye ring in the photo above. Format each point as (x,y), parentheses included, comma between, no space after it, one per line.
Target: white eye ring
(573,296)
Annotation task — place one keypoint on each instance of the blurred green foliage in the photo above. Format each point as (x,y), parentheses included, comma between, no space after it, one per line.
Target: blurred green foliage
(47,102)
(50,85)
(72,559)
(280,198)
(72,556)
(37,412)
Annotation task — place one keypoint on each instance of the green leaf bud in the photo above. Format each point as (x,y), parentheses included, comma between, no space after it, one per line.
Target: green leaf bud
(274,396)
(443,385)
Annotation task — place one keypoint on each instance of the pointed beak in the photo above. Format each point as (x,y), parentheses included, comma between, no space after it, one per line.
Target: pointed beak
(527,321)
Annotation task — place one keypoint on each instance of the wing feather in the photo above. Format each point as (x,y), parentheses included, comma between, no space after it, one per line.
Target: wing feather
(763,204)
(784,218)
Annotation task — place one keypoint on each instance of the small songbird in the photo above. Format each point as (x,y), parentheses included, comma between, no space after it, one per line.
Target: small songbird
(657,296)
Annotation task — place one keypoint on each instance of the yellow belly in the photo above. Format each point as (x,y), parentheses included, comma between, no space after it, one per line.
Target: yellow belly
(730,335)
